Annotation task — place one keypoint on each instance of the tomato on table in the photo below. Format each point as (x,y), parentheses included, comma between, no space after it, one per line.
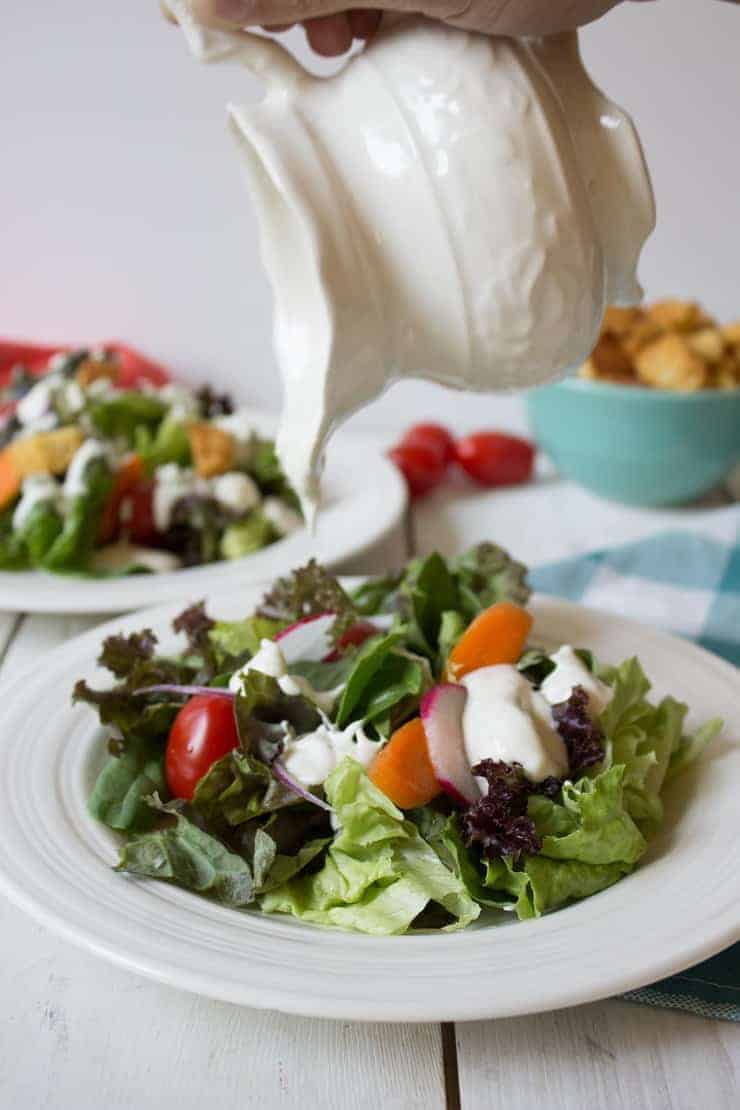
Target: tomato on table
(495,458)
(203,731)
(421,466)
(432,436)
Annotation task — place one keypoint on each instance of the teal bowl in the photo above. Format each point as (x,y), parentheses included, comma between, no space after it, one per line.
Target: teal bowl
(639,446)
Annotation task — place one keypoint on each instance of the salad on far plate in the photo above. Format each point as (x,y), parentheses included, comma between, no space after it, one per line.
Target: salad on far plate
(108,468)
(396,758)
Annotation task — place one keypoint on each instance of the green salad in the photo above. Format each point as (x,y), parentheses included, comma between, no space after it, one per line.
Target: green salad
(102,475)
(396,758)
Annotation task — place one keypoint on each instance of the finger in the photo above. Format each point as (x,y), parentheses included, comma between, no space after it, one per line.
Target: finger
(329,35)
(166,12)
(268,13)
(363,22)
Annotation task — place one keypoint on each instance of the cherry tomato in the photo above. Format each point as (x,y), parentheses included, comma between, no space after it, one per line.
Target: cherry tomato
(421,467)
(136,512)
(355,635)
(434,436)
(202,732)
(496,459)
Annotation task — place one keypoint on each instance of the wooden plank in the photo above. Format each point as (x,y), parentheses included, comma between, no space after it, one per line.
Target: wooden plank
(78,1032)
(36,634)
(611,1055)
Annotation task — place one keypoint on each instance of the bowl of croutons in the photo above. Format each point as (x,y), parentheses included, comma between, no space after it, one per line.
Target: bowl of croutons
(653,416)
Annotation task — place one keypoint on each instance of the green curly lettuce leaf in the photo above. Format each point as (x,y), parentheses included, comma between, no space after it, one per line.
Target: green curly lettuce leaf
(379,874)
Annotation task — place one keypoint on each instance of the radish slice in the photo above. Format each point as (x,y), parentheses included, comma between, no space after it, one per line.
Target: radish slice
(442,713)
(307,639)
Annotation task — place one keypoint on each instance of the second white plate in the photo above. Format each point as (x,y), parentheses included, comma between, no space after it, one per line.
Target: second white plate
(363,499)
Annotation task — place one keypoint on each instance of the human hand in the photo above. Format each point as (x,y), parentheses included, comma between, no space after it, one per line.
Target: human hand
(331,28)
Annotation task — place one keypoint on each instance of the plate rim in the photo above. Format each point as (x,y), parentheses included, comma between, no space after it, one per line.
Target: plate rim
(695,949)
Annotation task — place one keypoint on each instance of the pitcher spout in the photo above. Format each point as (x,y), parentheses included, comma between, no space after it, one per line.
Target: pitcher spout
(263,56)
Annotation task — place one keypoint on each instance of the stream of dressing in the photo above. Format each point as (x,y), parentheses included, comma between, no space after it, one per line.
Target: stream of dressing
(448,206)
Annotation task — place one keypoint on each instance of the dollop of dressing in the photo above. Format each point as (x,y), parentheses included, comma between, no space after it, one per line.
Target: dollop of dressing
(311,758)
(36,489)
(270,660)
(571,671)
(505,719)
(75,482)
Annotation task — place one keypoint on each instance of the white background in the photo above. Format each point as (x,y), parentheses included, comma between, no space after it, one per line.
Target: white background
(122,211)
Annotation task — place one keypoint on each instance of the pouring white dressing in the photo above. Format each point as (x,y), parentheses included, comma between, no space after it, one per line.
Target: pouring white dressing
(448,206)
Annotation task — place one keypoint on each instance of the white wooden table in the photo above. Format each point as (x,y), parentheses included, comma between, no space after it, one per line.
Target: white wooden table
(77,1033)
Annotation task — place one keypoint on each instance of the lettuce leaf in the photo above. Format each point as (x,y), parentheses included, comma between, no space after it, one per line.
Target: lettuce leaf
(643,737)
(543,884)
(248,535)
(486,574)
(183,853)
(240,640)
(263,712)
(187,856)
(237,788)
(118,798)
(692,746)
(379,873)
(590,824)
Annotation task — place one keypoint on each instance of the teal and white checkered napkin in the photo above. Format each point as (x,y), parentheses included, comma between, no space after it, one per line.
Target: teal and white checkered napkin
(688,584)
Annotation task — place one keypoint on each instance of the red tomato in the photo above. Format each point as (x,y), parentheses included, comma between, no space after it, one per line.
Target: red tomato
(434,436)
(496,459)
(136,512)
(125,480)
(421,467)
(355,635)
(202,732)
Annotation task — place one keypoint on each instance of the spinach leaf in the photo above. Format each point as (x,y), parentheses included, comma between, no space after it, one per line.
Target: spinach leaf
(40,531)
(71,548)
(385,684)
(432,590)
(120,416)
(376,595)
(169,444)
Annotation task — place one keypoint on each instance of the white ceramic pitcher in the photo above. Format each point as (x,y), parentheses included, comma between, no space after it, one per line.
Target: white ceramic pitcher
(449,206)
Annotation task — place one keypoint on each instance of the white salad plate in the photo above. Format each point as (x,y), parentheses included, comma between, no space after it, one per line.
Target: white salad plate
(363,498)
(681,905)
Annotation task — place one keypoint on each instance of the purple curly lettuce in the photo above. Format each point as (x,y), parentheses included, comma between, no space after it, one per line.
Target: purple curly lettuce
(499,822)
(582,735)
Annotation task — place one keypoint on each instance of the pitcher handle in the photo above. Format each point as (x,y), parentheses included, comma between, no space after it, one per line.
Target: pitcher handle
(265,57)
